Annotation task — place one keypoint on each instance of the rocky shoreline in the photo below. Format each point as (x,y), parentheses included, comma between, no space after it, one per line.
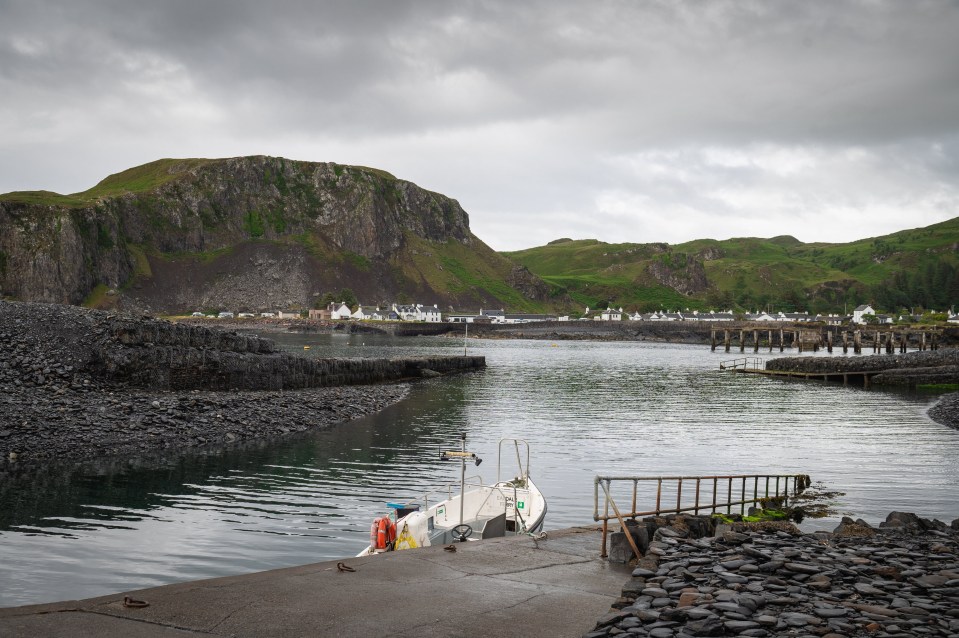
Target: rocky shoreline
(62,400)
(946,411)
(770,580)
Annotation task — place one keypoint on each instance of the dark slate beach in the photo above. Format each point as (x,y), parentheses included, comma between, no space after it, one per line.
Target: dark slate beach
(78,384)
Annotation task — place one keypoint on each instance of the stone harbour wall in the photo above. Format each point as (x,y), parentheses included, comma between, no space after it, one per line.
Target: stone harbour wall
(871,363)
(168,356)
(764,580)
(83,385)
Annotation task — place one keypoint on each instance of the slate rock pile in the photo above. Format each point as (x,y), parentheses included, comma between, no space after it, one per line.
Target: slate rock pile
(946,411)
(56,405)
(901,579)
(946,358)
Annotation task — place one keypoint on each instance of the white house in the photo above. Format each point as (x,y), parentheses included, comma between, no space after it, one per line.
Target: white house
(431,314)
(340,311)
(367,312)
(831,319)
(418,312)
(636,316)
(288,314)
(859,314)
(611,314)
(719,316)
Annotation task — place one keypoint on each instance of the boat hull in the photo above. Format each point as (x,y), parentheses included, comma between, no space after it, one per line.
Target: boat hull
(502,509)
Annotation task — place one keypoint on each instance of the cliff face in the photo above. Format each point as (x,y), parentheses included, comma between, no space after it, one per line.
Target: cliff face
(170,229)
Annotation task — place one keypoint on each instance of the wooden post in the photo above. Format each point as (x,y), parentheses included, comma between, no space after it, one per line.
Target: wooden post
(829,342)
(726,340)
(712,335)
(857,342)
(845,341)
(742,340)
(755,340)
(782,341)
(769,336)
(922,341)
(876,343)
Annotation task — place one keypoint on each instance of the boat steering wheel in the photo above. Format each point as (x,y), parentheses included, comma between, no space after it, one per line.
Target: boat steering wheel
(462,532)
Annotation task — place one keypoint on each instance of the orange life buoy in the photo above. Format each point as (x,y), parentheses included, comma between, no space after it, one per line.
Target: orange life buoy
(382,533)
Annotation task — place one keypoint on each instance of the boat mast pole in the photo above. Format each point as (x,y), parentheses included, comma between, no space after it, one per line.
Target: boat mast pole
(462,478)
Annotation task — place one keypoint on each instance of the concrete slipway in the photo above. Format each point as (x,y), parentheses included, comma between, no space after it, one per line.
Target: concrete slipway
(499,587)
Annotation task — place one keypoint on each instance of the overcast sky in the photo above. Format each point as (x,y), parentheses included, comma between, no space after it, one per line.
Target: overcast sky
(624,121)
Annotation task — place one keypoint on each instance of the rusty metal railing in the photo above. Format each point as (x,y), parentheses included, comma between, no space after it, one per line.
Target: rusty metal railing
(740,490)
(742,363)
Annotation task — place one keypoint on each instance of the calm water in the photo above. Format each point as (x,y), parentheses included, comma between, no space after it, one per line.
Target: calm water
(585,407)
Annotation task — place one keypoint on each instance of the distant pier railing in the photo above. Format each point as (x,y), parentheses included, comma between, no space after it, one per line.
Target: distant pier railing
(744,363)
(703,493)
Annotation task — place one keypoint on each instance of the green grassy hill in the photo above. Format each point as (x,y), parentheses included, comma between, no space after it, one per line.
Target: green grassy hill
(253,233)
(910,268)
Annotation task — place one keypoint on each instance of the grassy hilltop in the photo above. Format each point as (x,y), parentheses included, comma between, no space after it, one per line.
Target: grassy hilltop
(910,268)
(256,233)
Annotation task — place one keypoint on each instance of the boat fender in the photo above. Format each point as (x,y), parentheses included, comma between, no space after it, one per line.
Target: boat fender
(382,533)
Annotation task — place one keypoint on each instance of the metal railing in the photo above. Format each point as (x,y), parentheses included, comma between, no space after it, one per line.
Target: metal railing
(742,363)
(707,495)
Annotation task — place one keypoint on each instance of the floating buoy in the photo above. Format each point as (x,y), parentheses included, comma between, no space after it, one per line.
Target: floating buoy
(306,347)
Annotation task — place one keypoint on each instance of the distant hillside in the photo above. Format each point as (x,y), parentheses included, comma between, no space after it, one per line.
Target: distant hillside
(251,233)
(910,268)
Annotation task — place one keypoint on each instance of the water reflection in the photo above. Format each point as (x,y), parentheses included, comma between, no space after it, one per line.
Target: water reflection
(585,407)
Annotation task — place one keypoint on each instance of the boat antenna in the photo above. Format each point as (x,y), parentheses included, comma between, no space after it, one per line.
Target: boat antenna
(462,477)
(462,455)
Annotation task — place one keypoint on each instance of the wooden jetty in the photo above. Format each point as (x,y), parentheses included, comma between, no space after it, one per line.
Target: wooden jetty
(860,378)
(889,339)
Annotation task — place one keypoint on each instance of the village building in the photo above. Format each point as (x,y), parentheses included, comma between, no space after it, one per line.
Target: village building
(418,312)
(611,314)
(367,312)
(859,314)
(321,314)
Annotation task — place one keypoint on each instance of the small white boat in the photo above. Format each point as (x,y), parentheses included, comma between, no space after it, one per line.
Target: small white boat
(478,511)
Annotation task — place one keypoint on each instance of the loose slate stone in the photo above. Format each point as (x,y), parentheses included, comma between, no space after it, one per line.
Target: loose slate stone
(739,626)
(905,582)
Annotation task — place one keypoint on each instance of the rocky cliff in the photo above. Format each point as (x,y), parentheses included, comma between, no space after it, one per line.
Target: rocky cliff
(246,233)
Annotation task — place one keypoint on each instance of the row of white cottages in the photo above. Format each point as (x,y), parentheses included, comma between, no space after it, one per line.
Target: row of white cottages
(432,314)
(396,312)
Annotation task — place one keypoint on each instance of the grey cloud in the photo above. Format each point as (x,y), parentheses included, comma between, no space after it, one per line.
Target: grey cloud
(526,112)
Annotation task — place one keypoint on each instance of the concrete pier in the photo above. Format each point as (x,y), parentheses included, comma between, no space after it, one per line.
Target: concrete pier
(500,587)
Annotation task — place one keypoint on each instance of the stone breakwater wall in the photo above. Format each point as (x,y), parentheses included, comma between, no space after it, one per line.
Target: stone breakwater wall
(77,385)
(168,356)
(946,411)
(901,579)
(913,360)
(171,368)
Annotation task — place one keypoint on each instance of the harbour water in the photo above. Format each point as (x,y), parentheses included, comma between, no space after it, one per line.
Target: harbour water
(586,408)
